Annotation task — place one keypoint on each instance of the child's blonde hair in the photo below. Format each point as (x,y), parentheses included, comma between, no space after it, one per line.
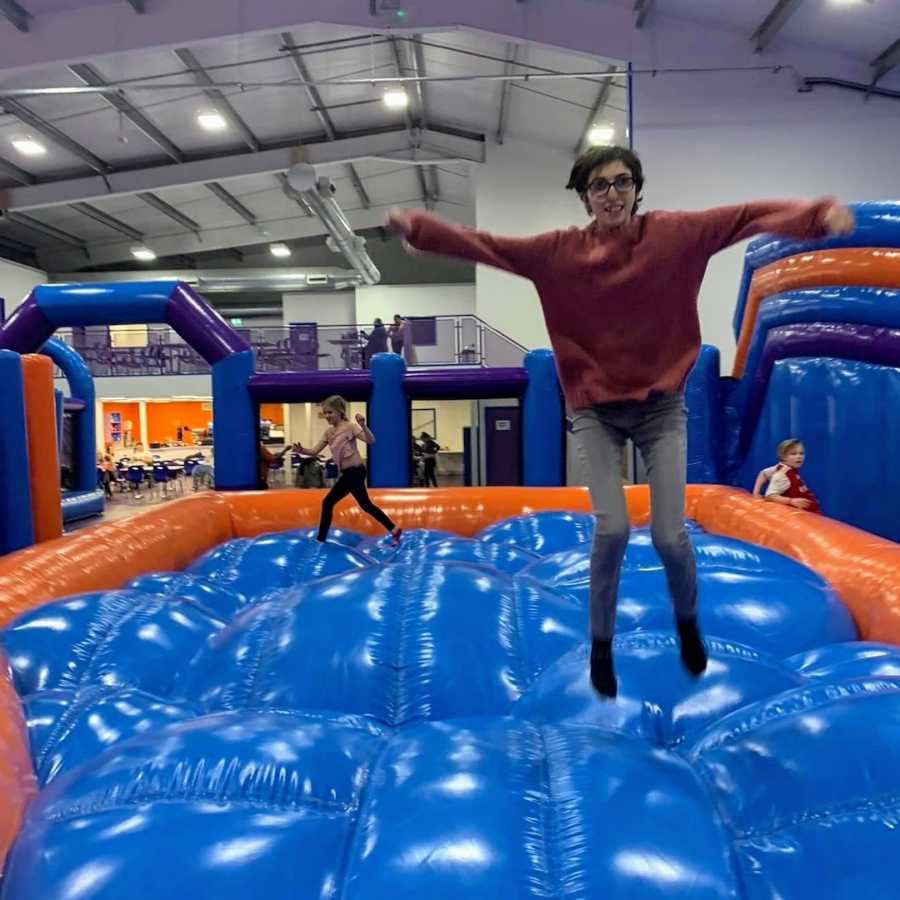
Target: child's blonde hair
(337,403)
(787,445)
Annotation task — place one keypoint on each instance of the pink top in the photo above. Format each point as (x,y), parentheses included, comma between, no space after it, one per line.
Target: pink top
(621,306)
(342,442)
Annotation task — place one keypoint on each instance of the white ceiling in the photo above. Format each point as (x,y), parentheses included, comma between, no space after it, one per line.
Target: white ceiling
(549,113)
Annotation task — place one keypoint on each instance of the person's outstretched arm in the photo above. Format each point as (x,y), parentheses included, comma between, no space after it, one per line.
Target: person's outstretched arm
(723,226)
(313,451)
(423,231)
(365,435)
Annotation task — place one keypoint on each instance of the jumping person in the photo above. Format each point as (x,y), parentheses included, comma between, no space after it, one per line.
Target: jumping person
(620,301)
(341,438)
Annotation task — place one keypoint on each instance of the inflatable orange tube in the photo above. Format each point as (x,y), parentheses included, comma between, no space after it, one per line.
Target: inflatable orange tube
(863,568)
(43,449)
(17,782)
(863,266)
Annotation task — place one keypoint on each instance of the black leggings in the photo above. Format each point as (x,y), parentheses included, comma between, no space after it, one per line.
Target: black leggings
(351,481)
(430,469)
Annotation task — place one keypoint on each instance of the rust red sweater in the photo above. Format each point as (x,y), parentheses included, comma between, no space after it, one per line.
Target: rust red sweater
(621,305)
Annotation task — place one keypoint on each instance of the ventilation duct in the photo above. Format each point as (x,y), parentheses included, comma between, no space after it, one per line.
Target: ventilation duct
(316,194)
(279,283)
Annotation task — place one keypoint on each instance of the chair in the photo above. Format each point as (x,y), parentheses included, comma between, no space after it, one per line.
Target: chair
(161,476)
(175,468)
(134,475)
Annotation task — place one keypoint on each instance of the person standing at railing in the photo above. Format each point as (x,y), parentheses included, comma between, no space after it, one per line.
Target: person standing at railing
(620,302)
(398,334)
(376,342)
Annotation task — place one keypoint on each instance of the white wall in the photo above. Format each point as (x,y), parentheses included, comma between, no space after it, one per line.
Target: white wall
(16,281)
(520,191)
(324,307)
(384,300)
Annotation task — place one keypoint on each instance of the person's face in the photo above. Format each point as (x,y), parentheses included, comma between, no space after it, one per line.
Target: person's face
(397,320)
(610,194)
(794,457)
(331,416)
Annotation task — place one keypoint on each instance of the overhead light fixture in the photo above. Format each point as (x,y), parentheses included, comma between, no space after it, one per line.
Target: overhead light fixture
(29,146)
(601,134)
(212,121)
(279,250)
(395,97)
(144,254)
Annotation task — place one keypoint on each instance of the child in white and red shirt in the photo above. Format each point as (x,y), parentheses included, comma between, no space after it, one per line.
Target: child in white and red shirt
(785,485)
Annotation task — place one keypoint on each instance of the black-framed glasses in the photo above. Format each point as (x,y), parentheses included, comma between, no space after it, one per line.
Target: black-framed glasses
(622,183)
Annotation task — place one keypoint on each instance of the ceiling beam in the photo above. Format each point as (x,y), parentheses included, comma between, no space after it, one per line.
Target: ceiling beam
(19,16)
(11,170)
(223,104)
(90,76)
(232,202)
(321,111)
(413,140)
(773,23)
(52,133)
(167,209)
(109,221)
(16,245)
(596,109)
(221,239)
(434,147)
(41,228)
(884,62)
(512,51)
(642,10)
(417,61)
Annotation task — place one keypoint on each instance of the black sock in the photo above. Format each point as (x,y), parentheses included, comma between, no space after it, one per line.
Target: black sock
(603,677)
(693,653)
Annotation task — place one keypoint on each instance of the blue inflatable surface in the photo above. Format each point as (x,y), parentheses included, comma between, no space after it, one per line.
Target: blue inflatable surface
(291,720)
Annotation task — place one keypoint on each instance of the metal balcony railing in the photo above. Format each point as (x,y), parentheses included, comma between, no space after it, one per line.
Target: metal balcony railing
(143,350)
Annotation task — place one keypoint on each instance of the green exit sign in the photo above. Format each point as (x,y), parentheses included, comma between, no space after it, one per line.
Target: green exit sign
(236,321)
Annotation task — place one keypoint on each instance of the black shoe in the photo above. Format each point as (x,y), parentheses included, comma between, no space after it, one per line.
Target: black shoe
(603,677)
(693,653)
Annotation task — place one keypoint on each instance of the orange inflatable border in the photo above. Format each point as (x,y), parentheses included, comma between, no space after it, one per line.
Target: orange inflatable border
(43,448)
(864,569)
(863,266)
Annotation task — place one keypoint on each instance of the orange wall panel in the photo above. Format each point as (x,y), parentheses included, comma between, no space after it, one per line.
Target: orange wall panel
(130,412)
(164,419)
(274,412)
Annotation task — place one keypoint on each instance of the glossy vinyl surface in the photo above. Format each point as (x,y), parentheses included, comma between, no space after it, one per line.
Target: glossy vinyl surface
(293,720)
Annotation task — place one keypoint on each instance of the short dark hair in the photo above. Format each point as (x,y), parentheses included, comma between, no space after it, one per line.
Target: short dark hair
(602,156)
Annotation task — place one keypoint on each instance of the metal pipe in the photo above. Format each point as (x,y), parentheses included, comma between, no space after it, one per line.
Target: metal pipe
(292,282)
(342,238)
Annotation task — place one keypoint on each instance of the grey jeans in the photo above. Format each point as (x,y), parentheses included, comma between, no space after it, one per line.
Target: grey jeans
(657,427)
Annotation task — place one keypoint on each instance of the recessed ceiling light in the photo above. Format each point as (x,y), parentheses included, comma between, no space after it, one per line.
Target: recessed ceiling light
(396,98)
(212,121)
(29,147)
(144,254)
(280,250)
(601,134)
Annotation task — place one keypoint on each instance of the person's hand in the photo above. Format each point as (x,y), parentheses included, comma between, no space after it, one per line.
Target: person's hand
(800,503)
(839,219)
(360,420)
(400,221)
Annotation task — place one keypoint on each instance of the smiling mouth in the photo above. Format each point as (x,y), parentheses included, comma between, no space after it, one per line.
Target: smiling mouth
(613,209)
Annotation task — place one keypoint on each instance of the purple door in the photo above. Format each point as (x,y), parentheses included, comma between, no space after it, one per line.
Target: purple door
(502,448)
